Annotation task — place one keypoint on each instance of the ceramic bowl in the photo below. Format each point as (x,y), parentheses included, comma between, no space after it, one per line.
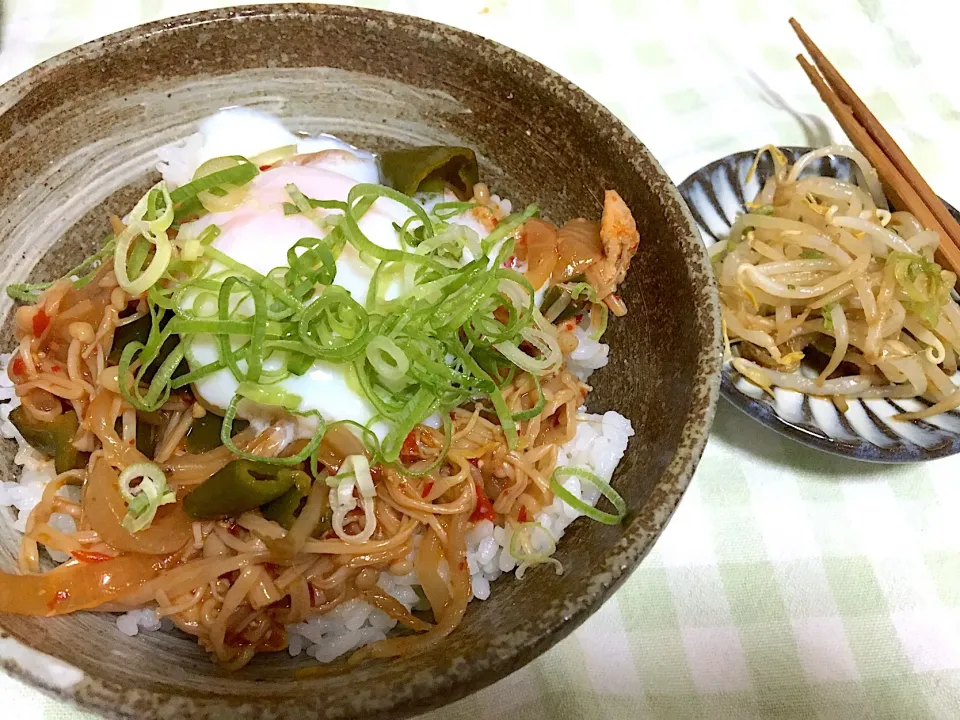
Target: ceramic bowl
(716,194)
(77,137)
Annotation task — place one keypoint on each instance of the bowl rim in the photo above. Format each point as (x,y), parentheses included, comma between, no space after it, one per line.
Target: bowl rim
(99,693)
(762,411)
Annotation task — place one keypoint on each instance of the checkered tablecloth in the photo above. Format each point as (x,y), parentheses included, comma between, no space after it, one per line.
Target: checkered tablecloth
(789,584)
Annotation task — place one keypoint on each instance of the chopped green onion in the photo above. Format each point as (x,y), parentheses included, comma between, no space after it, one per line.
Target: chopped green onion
(243,172)
(359,466)
(146,497)
(387,358)
(537,407)
(579,505)
(418,407)
(441,456)
(158,391)
(523,547)
(451,334)
(508,225)
(139,230)
(266,395)
(30,292)
(447,210)
(827,312)
(597,332)
(367,437)
(334,327)
(306,206)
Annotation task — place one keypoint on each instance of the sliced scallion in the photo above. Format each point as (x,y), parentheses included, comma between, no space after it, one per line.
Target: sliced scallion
(579,505)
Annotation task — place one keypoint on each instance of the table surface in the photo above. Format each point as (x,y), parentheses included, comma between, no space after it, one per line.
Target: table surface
(789,583)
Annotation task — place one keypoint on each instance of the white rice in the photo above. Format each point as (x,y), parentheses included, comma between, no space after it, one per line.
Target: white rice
(179,160)
(589,355)
(598,446)
(351,625)
(36,470)
(133,622)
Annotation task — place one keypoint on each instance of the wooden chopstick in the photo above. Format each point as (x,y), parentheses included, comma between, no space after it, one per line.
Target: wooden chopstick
(907,189)
(896,186)
(876,130)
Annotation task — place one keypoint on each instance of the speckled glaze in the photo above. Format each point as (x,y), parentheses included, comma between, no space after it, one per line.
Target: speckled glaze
(88,121)
(716,194)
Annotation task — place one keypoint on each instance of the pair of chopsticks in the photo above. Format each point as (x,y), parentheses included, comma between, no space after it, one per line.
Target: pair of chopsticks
(901,180)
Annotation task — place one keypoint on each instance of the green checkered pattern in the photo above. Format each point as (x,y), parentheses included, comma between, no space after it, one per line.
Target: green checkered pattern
(789,584)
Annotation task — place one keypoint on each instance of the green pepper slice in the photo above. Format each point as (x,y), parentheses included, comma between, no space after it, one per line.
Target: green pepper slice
(147,438)
(284,509)
(139,331)
(240,486)
(430,169)
(204,432)
(576,305)
(53,439)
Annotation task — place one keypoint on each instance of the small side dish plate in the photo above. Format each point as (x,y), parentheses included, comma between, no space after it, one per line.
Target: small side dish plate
(716,195)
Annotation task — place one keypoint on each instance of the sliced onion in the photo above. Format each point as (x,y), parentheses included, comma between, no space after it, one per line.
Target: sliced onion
(75,586)
(105,510)
(578,247)
(540,240)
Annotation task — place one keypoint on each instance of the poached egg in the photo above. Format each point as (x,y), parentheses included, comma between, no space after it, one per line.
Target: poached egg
(258,234)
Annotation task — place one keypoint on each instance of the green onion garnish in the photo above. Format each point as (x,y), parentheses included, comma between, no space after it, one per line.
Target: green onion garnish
(579,505)
(443,324)
(525,540)
(243,172)
(144,499)
(30,292)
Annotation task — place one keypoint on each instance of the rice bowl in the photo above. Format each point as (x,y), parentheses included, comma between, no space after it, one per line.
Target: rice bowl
(677,301)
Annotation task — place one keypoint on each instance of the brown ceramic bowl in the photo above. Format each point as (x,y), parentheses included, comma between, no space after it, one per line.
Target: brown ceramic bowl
(76,137)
